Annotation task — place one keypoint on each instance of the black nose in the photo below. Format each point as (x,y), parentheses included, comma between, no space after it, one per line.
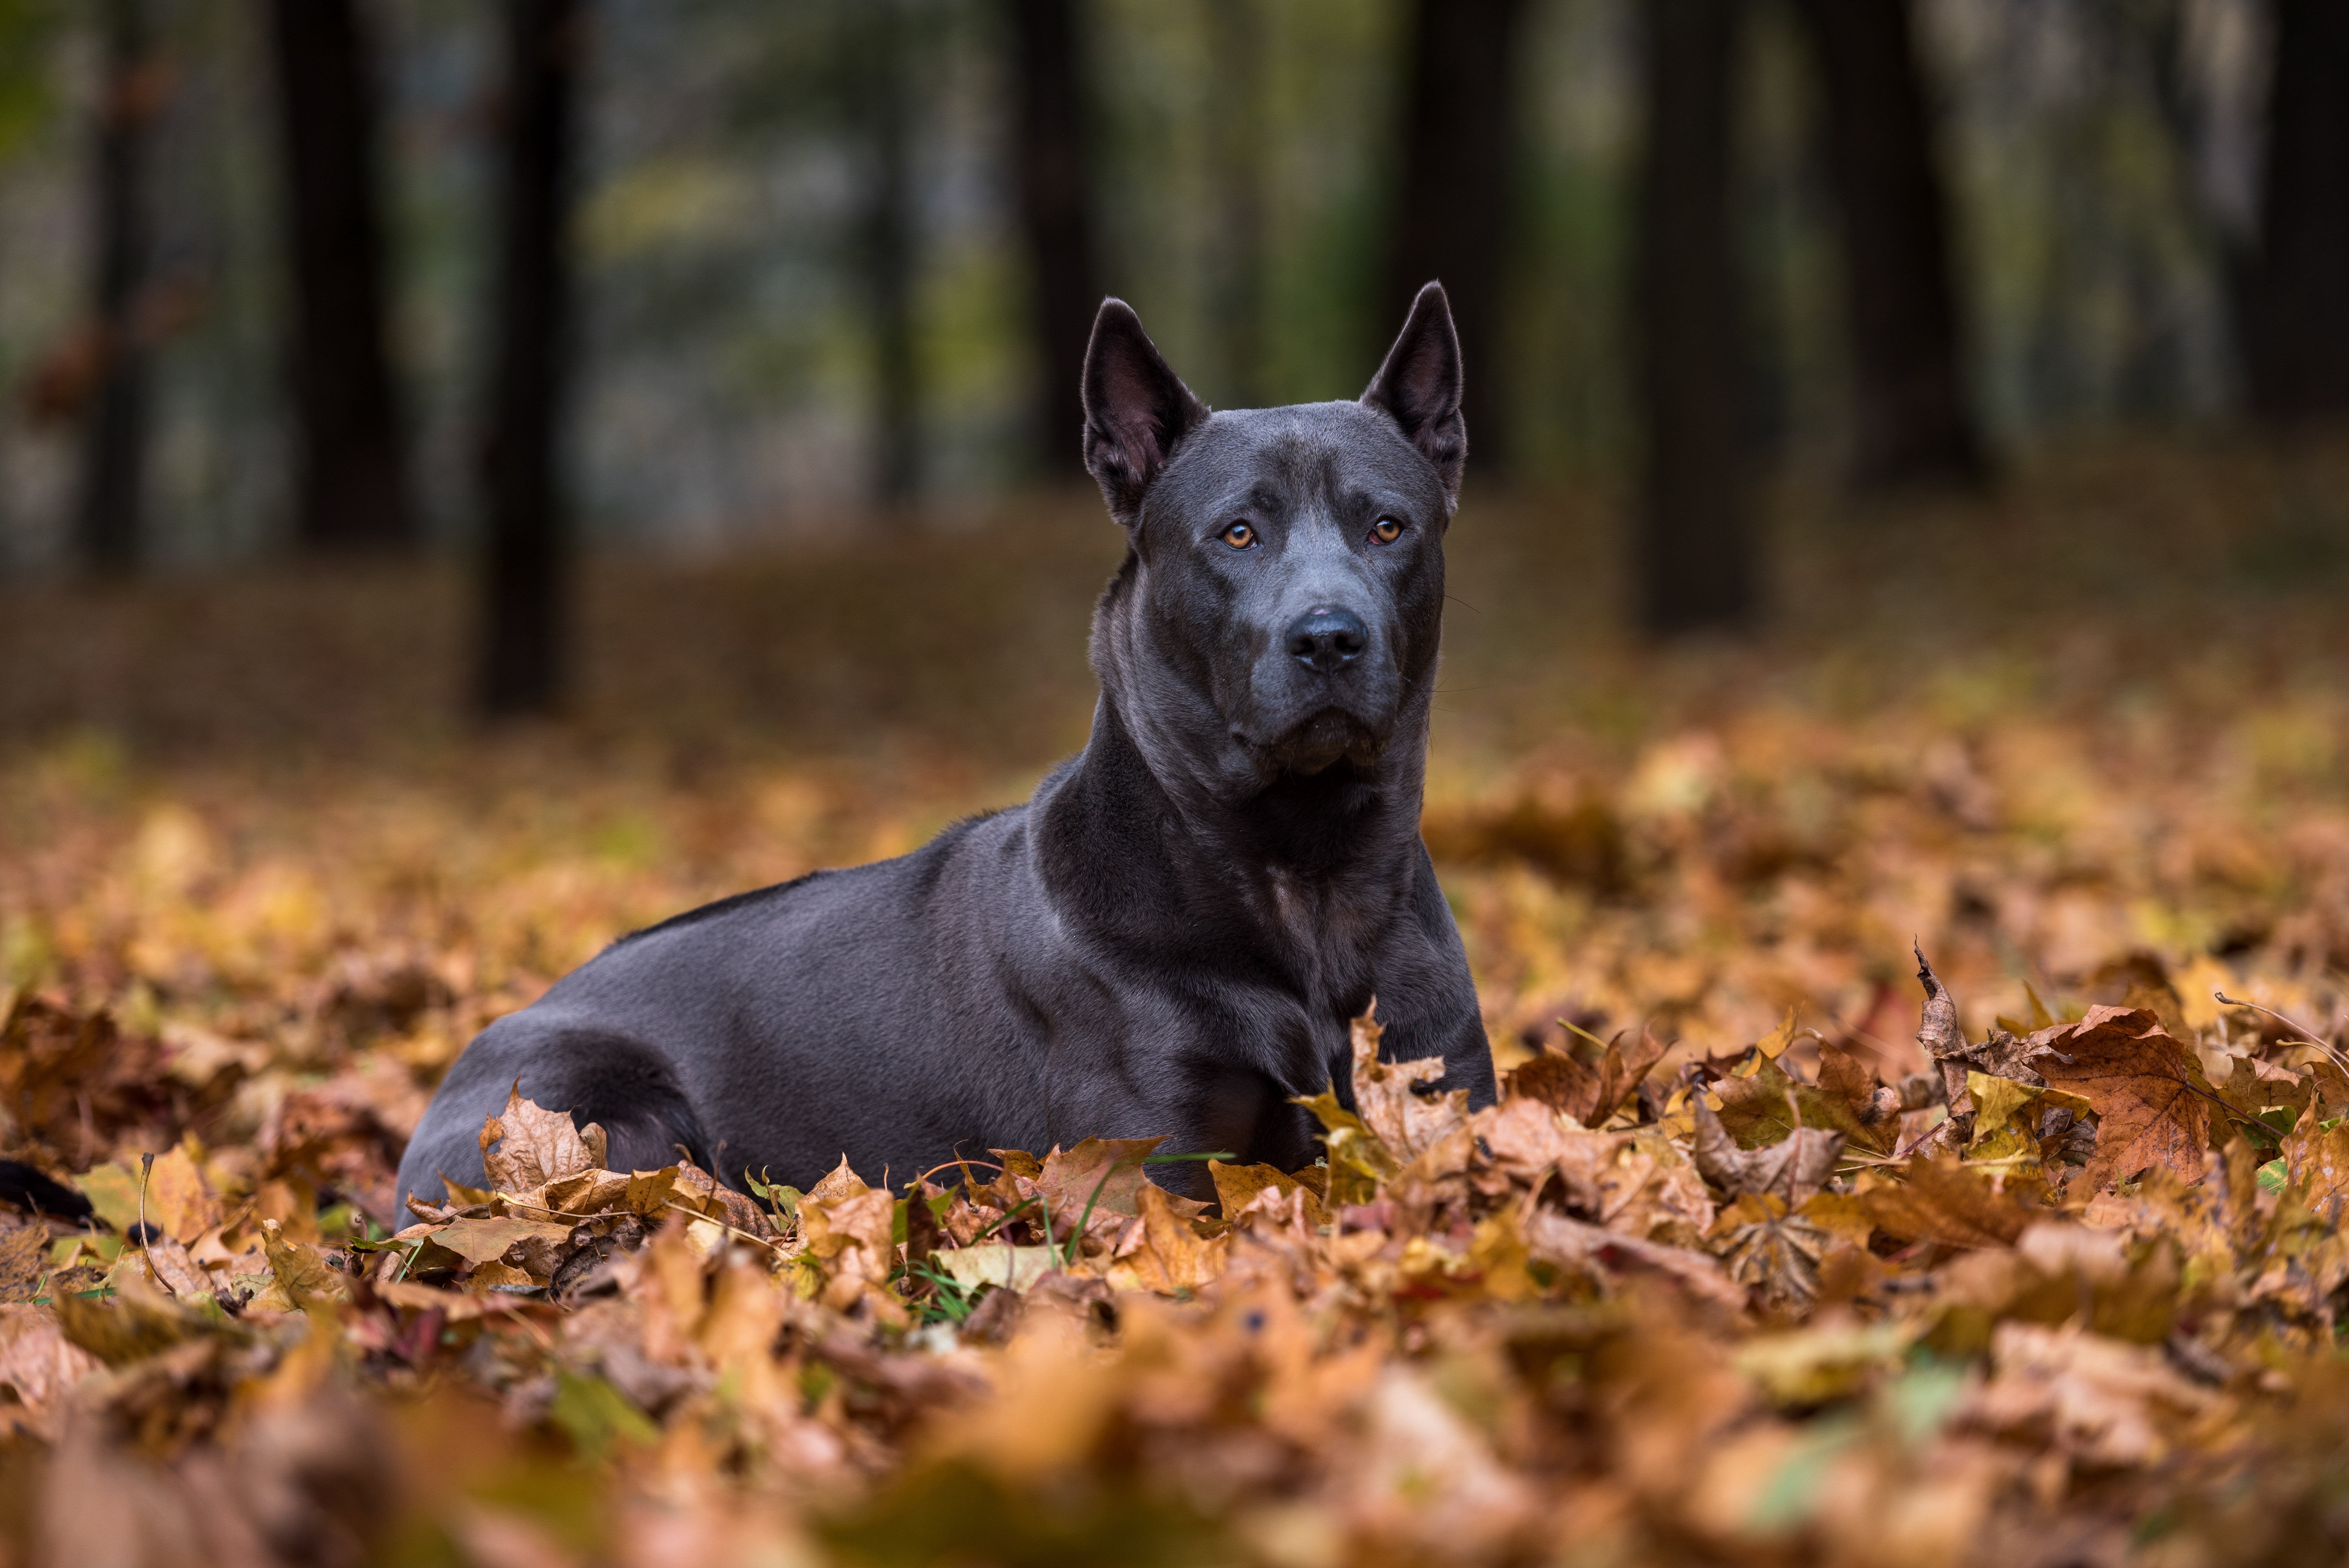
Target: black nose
(1324,639)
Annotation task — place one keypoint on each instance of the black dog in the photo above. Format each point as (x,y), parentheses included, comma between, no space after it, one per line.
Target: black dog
(1172,935)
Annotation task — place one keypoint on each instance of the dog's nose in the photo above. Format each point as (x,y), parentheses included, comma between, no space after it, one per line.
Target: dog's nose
(1325,639)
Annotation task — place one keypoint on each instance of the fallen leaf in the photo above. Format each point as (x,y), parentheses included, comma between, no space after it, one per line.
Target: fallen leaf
(488,1240)
(1171,1257)
(137,1322)
(24,1260)
(994,1264)
(2317,1158)
(177,1199)
(2106,1402)
(36,1360)
(1238,1185)
(2144,1086)
(303,1272)
(525,1146)
(1793,1169)
(1945,1202)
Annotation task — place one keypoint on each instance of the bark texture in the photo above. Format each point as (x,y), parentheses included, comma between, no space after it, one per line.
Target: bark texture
(352,490)
(529,545)
(1694,549)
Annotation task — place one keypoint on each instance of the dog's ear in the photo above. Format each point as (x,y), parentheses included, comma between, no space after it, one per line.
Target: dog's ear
(1137,409)
(1419,386)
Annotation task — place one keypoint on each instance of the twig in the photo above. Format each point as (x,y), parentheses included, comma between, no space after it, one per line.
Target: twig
(2301,1029)
(731,1230)
(146,1168)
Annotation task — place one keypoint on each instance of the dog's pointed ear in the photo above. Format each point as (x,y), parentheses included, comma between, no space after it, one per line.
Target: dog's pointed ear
(1419,386)
(1137,409)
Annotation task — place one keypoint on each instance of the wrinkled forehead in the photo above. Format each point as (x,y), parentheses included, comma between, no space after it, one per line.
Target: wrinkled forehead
(1315,456)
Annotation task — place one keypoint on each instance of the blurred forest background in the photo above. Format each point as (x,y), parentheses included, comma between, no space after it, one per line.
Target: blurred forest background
(683,277)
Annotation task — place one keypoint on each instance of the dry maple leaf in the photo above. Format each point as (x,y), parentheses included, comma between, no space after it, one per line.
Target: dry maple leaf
(1769,1105)
(2144,1085)
(526,1146)
(1170,1256)
(2105,1401)
(1098,1178)
(1237,1187)
(1590,1094)
(2317,1158)
(1941,1200)
(23,1260)
(1798,1165)
(1425,1128)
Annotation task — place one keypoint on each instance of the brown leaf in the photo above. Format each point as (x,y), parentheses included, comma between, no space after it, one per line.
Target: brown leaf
(177,1199)
(2253,1085)
(1943,1200)
(1238,1185)
(1558,1080)
(1170,1256)
(1555,1238)
(456,1307)
(1791,1169)
(37,1359)
(1841,1074)
(23,1260)
(488,1241)
(1771,1251)
(2109,1403)
(1100,1176)
(2317,1157)
(1430,1129)
(140,1321)
(2144,1086)
(1771,1106)
(302,1270)
(174,1269)
(526,1146)
(1939,1032)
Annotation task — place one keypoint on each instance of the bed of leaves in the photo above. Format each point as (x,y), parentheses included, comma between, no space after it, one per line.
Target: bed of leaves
(1782,1245)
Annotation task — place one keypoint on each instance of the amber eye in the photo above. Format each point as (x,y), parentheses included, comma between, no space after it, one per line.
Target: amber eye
(1386,530)
(1239,536)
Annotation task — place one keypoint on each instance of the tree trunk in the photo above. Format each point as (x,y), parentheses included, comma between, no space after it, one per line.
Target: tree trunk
(1914,424)
(2297,336)
(1453,220)
(1235,135)
(351,470)
(529,534)
(1056,207)
(107,522)
(889,240)
(1695,551)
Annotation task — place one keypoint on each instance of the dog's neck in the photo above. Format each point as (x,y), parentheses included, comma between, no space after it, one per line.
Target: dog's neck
(1156,808)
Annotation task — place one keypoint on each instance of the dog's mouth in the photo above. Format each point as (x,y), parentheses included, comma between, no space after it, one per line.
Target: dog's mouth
(1323,739)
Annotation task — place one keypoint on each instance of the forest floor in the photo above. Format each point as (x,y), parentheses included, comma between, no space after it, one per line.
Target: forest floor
(1759,1259)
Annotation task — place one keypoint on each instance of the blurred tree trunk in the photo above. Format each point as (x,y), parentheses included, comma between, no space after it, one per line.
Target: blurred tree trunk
(1236,133)
(529,545)
(353,479)
(1695,550)
(1914,425)
(1056,206)
(883,41)
(1453,220)
(108,514)
(2297,331)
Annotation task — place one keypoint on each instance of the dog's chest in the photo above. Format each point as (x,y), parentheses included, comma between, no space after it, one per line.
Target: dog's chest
(1325,935)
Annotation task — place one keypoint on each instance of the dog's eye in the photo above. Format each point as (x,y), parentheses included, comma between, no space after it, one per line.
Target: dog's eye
(1239,536)
(1386,530)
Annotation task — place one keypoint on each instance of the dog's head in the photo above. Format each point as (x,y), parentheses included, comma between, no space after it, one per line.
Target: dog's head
(1281,603)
